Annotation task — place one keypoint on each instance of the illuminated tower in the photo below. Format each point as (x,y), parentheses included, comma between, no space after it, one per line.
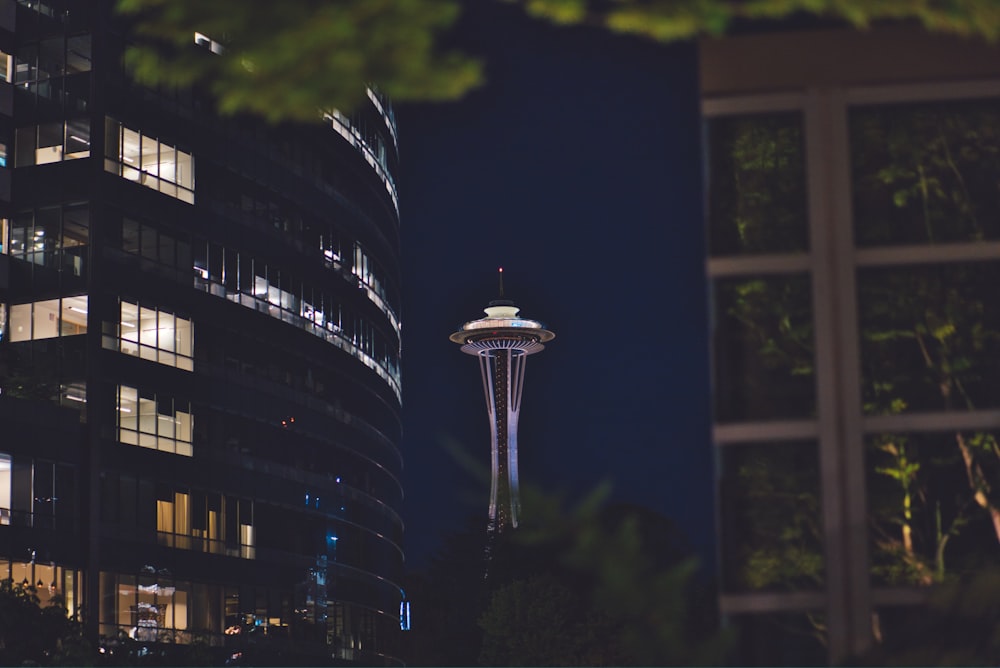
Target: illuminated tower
(502,341)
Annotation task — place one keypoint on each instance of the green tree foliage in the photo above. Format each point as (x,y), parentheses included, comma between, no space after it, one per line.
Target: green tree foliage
(542,621)
(599,586)
(35,635)
(285,60)
(596,585)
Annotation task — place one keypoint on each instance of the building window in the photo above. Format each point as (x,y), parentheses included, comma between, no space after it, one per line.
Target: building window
(56,237)
(155,422)
(52,142)
(926,222)
(238,277)
(756,181)
(48,319)
(205,522)
(6,477)
(152,607)
(854,261)
(155,335)
(146,160)
(772,532)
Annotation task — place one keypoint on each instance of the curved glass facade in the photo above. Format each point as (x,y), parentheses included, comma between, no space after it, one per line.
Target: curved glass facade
(199,358)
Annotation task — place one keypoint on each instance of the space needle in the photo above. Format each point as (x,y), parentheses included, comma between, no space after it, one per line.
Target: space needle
(502,341)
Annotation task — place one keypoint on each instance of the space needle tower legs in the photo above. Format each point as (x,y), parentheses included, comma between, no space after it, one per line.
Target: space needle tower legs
(502,341)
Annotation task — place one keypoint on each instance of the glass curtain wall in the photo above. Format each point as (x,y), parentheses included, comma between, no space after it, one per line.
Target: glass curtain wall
(855,254)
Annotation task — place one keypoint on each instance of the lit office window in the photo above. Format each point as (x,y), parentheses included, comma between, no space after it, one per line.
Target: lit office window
(205,522)
(158,423)
(146,160)
(52,142)
(156,335)
(6,478)
(51,236)
(48,319)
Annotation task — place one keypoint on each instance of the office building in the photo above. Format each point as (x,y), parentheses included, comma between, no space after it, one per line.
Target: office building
(854,240)
(200,355)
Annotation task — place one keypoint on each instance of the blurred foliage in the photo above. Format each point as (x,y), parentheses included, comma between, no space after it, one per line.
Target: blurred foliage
(772,532)
(667,20)
(34,635)
(287,60)
(958,625)
(598,584)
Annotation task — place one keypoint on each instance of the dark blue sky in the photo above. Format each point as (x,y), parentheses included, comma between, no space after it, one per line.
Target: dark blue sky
(576,168)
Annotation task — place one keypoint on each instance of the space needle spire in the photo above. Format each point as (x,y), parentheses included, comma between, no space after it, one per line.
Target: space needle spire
(502,341)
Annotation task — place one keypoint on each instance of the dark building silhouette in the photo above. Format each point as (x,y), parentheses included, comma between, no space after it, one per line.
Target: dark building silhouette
(854,249)
(200,354)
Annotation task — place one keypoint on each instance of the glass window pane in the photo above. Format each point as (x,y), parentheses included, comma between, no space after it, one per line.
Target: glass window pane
(926,173)
(185,170)
(50,143)
(147,415)
(46,320)
(763,348)
(128,409)
(168,163)
(129,328)
(78,57)
(150,156)
(50,58)
(928,498)
(147,327)
(166,335)
(20,322)
(130,154)
(148,244)
(184,423)
(165,424)
(756,185)
(21,232)
(130,236)
(772,531)
(77,139)
(185,339)
(26,64)
(930,337)
(74,316)
(25,145)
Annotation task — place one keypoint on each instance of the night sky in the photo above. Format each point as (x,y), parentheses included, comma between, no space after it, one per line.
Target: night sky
(575,168)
